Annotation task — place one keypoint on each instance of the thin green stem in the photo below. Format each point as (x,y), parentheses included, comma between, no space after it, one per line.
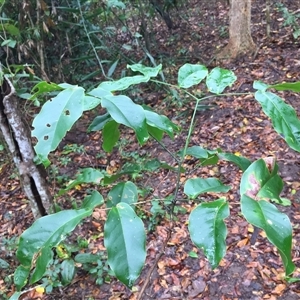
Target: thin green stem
(90,41)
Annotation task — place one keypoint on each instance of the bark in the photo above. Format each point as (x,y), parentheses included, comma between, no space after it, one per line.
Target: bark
(17,135)
(240,40)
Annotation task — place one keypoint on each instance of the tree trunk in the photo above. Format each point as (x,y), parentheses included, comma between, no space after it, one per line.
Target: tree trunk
(240,40)
(17,135)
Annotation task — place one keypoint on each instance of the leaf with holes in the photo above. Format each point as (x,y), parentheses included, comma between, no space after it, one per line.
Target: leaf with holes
(57,116)
(189,75)
(218,79)
(146,71)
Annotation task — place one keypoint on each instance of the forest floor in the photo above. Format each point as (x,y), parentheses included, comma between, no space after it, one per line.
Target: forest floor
(235,124)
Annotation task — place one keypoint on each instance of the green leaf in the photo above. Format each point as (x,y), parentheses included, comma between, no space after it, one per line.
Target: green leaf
(85,258)
(112,68)
(287,86)
(9,43)
(44,87)
(126,112)
(124,239)
(99,93)
(20,276)
(46,233)
(242,162)
(93,200)
(67,271)
(292,279)
(146,71)
(285,202)
(189,75)
(259,182)
(155,132)
(45,256)
(196,186)
(122,192)
(86,175)
(11,29)
(218,79)
(161,122)
(208,231)
(206,157)
(123,83)
(110,134)
(283,116)
(90,102)
(3,264)
(99,122)
(277,226)
(199,152)
(15,296)
(193,254)
(56,118)
(272,189)
(258,85)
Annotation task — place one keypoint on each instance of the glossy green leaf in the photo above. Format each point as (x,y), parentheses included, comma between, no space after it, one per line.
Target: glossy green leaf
(196,186)
(122,192)
(292,279)
(45,256)
(146,71)
(50,128)
(110,134)
(86,175)
(276,225)
(272,189)
(46,233)
(99,122)
(161,122)
(189,75)
(242,162)
(211,160)
(259,182)
(219,79)
(283,116)
(199,152)
(99,93)
(21,276)
(67,271)
(287,86)
(124,239)
(208,231)
(93,200)
(123,83)
(89,102)
(155,132)
(124,111)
